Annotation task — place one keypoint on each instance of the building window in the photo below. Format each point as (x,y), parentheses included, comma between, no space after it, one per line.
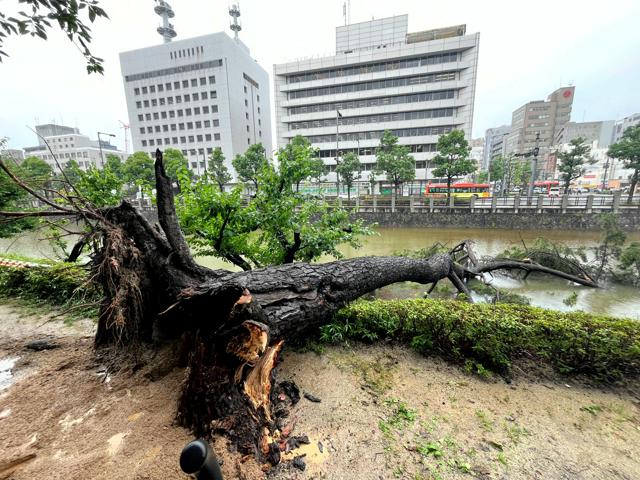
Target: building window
(136,91)
(205,109)
(140,117)
(209,150)
(207,137)
(154,102)
(196,97)
(260,133)
(178,99)
(152,143)
(258,98)
(204,95)
(170,100)
(216,123)
(194,82)
(191,139)
(213,94)
(246,115)
(207,123)
(247,128)
(203,81)
(214,108)
(145,90)
(157,127)
(163,115)
(174,140)
(180,113)
(152,89)
(183,139)
(246,102)
(185,84)
(149,129)
(144,143)
(184,152)
(181,126)
(216,136)
(172,114)
(159,141)
(138,104)
(165,128)
(173,127)
(189,125)
(156,116)
(187,98)
(161,101)
(212,79)
(147,116)
(199,138)
(196,110)
(245,89)
(142,130)
(146,103)
(167,86)
(176,85)
(259,122)
(166,141)
(187,112)
(198,124)
(161,88)
(258,109)
(248,141)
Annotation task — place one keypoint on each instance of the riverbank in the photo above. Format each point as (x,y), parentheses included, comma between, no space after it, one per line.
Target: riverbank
(385,412)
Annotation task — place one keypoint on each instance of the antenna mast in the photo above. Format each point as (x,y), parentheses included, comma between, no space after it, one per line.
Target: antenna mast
(234,12)
(164,11)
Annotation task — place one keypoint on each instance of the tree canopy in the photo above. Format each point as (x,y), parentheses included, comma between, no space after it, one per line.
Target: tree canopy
(572,161)
(138,170)
(249,165)
(217,169)
(395,161)
(452,159)
(72,17)
(628,150)
(349,170)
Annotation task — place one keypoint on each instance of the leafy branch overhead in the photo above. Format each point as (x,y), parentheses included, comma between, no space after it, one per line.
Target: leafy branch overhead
(41,16)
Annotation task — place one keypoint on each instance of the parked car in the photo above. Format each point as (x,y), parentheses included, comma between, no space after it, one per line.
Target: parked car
(554,192)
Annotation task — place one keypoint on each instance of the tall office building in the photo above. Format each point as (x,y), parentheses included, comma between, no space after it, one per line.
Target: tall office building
(67,143)
(624,123)
(195,95)
(544,117)
(418,85)
(600,132)
(495,144)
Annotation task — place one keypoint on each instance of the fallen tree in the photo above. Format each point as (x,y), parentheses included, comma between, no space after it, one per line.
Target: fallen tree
(232,325)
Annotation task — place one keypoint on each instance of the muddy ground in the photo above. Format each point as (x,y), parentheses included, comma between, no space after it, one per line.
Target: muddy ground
(385,413)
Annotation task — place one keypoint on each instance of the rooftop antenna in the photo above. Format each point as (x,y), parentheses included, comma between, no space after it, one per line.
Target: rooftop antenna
(164,11)
(344,13)
(234,12)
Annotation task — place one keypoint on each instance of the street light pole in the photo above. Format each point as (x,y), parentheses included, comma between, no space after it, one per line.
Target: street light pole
(100,146)
(604,177)
(534,166)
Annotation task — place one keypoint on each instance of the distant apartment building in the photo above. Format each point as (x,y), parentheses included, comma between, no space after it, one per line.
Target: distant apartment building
(621,125)
(477,150)
(417,85)
(15,154)
(62,143)
(195,95)
(600,132)
(495,144)
(544,117)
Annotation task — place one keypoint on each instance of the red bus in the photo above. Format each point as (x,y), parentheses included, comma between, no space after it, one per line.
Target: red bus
(458,190)
(545,186)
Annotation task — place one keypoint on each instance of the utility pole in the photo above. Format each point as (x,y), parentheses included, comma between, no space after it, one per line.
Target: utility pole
(534,165)
(100,146)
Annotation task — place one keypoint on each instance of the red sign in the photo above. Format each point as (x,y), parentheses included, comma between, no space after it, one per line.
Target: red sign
(566,94)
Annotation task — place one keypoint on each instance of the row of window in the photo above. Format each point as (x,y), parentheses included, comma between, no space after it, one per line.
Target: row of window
(175,140)
(379,118)
(173,70)
(363,151)
(178,113)
(196,97)
(373,85)
(180,126)
(373,102)
(368,167)
(402,132)
(175,86)
(375,67)
(66,155)
(186,52)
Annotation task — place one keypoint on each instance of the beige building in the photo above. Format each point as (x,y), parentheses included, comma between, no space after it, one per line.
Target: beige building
(546,117)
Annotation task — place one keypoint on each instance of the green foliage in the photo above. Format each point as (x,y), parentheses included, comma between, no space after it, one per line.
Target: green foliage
(217,169)
(114,164)
(630,263)
(349,170)
(611,243)
(452,159)
(12,198)
(70,173)
(67,15)
(394,161)
(571,300)
(139,170)
(61,284)
(483,176)
(628,150)
(250,165)
(494,335)
(276,225)
(175,166)
(35,172)
(102,188)
(571,162)
(433,449)
(556,255)
(592,409)
(497,168)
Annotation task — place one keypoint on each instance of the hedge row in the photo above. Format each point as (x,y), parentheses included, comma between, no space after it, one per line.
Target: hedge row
(60,284)
(492,336)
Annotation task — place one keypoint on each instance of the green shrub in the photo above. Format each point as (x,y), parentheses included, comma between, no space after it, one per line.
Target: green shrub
(62,284)
(492,336)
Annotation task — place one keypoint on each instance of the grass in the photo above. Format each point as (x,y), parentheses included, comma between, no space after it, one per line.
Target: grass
(485,423)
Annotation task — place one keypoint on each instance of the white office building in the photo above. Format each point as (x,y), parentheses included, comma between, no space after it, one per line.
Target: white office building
(418,85)
(195,95)
(59,144)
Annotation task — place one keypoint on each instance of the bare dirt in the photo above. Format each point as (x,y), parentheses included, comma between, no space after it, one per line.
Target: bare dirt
(385,412)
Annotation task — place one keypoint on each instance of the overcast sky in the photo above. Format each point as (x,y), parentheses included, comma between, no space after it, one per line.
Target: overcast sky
(527,49)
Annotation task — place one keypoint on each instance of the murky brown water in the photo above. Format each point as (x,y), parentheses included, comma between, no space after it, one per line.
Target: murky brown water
(543,291)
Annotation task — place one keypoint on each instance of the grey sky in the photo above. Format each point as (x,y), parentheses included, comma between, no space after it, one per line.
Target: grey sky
(527,49)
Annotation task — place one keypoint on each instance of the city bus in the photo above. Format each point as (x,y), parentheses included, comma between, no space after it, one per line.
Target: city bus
(545,186)
(458,190)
